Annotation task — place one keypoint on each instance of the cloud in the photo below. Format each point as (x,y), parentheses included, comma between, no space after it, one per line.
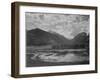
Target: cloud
(68,25)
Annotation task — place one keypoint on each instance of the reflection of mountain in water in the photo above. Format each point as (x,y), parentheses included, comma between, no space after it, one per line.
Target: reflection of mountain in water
(38,37)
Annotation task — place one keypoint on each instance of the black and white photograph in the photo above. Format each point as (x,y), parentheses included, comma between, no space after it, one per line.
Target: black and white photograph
(53,39)
(56,39)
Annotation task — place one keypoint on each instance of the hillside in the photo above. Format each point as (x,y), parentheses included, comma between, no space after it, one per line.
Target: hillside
(38,37)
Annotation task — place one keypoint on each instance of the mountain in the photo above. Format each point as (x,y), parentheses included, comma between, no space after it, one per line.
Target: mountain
(38,37)
(81,38)
(80,41)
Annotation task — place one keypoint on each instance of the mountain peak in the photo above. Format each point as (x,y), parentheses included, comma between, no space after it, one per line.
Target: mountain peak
(36,29)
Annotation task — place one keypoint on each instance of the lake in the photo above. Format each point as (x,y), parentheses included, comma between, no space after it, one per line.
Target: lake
(57,57)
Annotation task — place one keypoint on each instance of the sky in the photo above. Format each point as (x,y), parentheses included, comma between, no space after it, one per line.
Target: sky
(68,25)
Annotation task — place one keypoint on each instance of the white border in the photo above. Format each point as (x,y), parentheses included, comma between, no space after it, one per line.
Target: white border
(53,69)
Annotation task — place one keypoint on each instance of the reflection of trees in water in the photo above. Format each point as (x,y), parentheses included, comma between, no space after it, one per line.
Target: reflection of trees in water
(61,57)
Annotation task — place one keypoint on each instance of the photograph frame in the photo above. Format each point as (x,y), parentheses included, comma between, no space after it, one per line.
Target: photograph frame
(15,39)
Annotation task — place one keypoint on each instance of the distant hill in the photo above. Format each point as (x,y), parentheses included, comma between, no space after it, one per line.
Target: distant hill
(38,37)
(81,38)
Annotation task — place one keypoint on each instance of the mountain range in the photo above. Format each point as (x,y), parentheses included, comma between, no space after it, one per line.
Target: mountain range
(39,37)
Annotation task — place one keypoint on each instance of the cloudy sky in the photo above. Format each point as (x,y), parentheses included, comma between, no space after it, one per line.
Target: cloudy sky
(68,25)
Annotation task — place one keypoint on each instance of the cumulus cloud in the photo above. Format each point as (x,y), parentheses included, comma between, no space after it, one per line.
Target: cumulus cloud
(68,25)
